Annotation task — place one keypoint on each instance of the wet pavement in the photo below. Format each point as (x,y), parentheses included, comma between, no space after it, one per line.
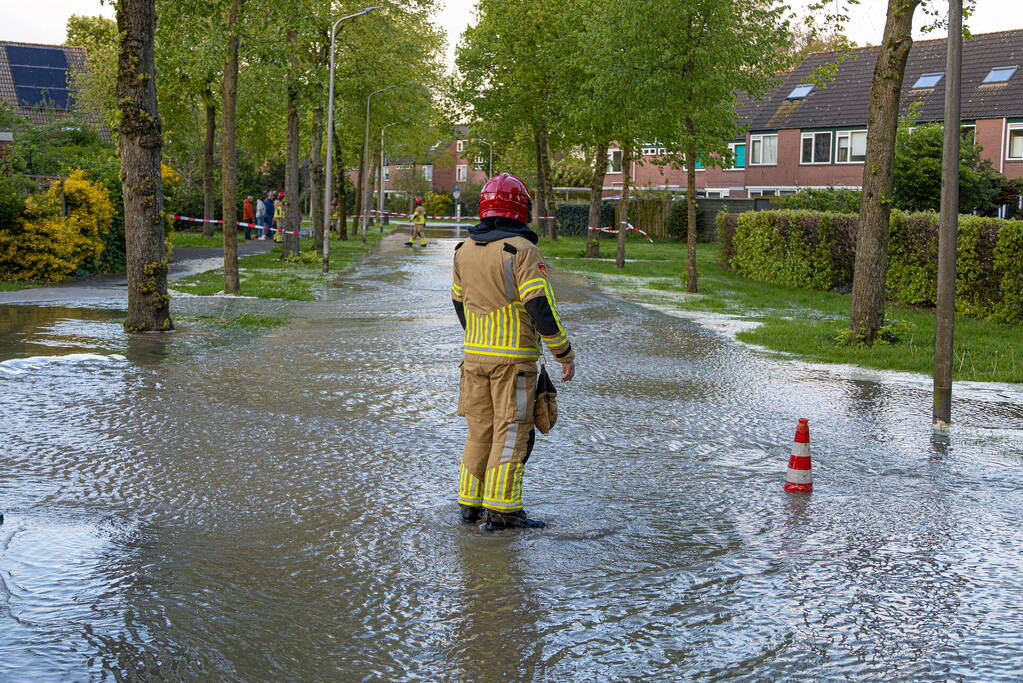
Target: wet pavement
(232,505)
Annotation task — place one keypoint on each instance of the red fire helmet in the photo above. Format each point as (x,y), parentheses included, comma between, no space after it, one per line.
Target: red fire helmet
(505,195)
(419,200)
(280,195)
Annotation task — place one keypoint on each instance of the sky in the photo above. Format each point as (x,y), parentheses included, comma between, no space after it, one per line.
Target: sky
(42,21)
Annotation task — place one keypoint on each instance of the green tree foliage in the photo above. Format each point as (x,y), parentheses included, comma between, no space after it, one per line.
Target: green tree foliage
(982,189)
(97,83)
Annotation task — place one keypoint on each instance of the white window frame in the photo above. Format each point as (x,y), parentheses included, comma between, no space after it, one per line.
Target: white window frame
(460,146)
(387,173)
(847,134)
(813,148)
(428,172)
(478,160)
(731,148)
(610,162)
(1013,128)
(973,126)
(751,159)
(721,192)
(462,173)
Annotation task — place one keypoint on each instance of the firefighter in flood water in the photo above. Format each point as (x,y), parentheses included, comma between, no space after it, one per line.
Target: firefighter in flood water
(505,303)
(418,224)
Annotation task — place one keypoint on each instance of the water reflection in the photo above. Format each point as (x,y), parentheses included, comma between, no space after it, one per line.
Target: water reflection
(237,505)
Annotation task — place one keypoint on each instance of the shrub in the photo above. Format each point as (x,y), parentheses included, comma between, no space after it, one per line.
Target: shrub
(797,248)
(437,204)
(46,245)
(817,250)
(12,201)
(833,199)
(573,219)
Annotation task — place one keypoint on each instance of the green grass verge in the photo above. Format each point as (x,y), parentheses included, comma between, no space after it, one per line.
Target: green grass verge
(15,285)
(189,240)
(267,277)
(794,321)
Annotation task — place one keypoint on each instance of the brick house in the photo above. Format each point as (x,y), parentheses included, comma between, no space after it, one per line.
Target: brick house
(802,136)
(34,82)
(447,165)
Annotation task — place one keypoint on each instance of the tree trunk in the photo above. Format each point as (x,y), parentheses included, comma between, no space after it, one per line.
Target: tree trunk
(209,201)
(359,187)
(316,179)
(691,206)
(140,139)
(871,266)
(596,200)
(229,153)
(624,205)
(293,206)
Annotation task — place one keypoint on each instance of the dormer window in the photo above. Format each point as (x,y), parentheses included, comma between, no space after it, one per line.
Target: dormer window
(1001,74)
(800,91)
(928,80)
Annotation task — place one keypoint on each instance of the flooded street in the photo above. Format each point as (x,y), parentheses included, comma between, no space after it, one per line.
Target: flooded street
(280,505)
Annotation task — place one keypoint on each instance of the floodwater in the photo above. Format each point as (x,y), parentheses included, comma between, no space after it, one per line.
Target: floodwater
(231,505)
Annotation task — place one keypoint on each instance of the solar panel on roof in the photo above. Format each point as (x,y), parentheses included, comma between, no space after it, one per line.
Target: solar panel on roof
(40,77)
(36,56)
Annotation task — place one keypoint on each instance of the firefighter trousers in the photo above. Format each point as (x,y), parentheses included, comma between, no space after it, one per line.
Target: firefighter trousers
(497,402)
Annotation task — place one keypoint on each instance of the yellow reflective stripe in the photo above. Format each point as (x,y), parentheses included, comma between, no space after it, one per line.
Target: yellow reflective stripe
(550,299)
(480,351)
(455,289)
(530,285)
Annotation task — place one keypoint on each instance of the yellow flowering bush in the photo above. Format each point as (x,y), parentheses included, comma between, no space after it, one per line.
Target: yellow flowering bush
(45,244)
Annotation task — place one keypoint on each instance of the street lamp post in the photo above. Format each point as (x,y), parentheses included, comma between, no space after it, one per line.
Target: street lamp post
(490,166)
(365,156)
(380,199)
(328,188)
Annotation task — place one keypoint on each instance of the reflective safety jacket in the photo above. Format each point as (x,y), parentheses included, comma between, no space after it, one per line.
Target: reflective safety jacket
(504,301)
(419,215)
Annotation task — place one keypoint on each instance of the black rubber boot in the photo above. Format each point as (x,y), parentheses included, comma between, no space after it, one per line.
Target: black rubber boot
(497,521)
(470,515)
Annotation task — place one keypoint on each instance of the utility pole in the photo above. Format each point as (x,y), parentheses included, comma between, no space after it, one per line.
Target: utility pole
(948,224)
(328,187)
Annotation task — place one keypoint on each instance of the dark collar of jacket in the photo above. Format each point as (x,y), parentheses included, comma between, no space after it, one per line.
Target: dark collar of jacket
(499,228)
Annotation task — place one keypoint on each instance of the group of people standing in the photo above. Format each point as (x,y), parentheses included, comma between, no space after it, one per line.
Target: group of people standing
(269,214)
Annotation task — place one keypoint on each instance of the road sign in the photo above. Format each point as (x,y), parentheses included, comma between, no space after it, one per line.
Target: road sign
(457,193)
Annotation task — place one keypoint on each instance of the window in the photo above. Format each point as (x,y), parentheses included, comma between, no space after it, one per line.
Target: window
(428,172)
(852,147)
(816,148)
(968,132)
(928,80)
(800,91)
(648,151)
(1016,141)
(462,173)
(762,193)
(460,146)
(1000,74)
(738,150)
(403,167)
(763,150)
(614,161)
(387,173)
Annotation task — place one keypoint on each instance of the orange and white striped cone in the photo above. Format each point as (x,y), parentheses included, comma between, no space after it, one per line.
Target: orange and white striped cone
(799,478)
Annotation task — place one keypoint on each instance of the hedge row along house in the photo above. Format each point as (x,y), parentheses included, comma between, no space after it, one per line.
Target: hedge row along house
(805,136)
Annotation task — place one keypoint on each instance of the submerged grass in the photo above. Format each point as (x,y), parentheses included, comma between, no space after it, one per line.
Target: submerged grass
(268,277)
(800,322)
(242,321)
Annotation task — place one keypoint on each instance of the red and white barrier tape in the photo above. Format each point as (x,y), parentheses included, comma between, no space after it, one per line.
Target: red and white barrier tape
(238,223)
(615,232)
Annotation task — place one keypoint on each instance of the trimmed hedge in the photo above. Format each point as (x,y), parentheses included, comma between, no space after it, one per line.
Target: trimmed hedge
(817,250)
(573,218)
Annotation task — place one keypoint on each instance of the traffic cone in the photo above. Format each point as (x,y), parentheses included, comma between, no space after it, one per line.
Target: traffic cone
(799,478)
